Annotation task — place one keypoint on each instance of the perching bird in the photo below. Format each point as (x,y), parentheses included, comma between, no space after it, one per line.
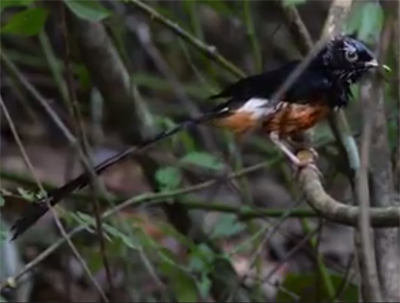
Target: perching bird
(321,88)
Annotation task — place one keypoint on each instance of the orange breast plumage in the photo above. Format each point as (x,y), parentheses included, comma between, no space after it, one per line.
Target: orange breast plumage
(294,118)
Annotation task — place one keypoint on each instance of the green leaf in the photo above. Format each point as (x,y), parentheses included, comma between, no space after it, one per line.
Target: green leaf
(85,219)
(305,287)
(354,20)
(9,3)
(227,225)
(27,195)
(83,76)
(93,259)
(26,23)
(2,201)
(169,177)
(182,283)
(203,159)
(120,235)
(287,3)
(365,20)
(204,285)
(90,10)
(371,21)
(201,257)
(196,263)
(3,233)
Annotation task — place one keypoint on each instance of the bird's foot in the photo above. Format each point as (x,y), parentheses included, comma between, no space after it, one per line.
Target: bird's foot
(303,161)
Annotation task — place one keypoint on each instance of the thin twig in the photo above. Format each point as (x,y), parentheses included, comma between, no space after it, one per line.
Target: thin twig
(346,280)
(38,97)
(143,33)
(58,223)
(242,212)
(322,270)
(248,18)
(208,50)
(320,201)
(261,245)
(294,250)
(298,28)
(85,147)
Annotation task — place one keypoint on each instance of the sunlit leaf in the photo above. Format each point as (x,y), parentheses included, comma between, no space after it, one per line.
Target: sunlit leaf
(90,10)
(28,22)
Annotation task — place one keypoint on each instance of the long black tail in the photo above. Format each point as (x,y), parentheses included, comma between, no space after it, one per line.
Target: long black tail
(37,209)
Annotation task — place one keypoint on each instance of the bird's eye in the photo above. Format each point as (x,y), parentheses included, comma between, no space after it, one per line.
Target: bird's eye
(351,55)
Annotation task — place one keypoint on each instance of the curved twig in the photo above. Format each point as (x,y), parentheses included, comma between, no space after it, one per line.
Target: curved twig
(336,211)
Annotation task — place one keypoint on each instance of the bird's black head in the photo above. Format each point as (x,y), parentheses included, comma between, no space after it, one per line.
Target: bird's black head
(347,59)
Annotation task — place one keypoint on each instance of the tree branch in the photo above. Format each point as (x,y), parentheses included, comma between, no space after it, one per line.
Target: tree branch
(381,177)
(368,270)
(329,208)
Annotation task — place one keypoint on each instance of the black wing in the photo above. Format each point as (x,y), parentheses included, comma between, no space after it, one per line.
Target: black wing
(313,80)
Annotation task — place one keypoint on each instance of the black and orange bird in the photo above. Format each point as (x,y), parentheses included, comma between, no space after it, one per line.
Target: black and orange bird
(322,87)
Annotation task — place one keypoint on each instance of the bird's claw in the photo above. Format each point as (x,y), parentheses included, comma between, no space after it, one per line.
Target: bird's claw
(307,163)
(314,152)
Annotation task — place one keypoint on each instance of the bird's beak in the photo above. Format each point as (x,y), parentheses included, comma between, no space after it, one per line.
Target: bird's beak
(374,63)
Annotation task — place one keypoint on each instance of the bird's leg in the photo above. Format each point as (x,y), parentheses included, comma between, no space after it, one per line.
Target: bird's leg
(296,141)
(293,158)
(283,147)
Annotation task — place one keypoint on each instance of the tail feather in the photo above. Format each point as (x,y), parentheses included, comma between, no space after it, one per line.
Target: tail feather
(39,208)
(32,213)
(36,210)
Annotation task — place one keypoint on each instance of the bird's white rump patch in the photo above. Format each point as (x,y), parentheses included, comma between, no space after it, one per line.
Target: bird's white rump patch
(257,107)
